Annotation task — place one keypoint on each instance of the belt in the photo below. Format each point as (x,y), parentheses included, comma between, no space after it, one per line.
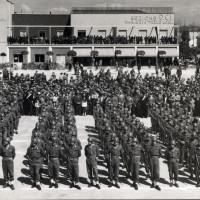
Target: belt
(114,156)
(53,158)
(136,156)
(7,158)
(73,158)
(155,155)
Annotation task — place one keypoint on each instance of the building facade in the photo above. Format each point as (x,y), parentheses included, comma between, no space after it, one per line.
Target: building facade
(104,30)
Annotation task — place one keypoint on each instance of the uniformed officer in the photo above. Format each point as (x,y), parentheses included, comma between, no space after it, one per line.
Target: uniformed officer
(73,152)
(35,155)
(155,153)
(191,151)
(172,155)
(7,151)
(115,152)
(135,151)
(3,129)
(54,154)
(92,153)
(146,145)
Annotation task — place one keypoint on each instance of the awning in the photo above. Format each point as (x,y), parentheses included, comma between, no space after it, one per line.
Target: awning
(170,52)
(83,52)
(105,52)
(126,52)
(149,52)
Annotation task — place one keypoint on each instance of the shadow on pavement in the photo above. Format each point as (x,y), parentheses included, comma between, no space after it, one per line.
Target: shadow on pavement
(104,181)
(90,127)
(2,181)
(91,131)
(102,164)
(25,180)
(124,181)
(143,181)
(186,180)
(163,181)
(103,172)
(83,180)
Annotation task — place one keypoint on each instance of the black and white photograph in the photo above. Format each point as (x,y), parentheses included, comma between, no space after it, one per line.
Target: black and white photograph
(99,99)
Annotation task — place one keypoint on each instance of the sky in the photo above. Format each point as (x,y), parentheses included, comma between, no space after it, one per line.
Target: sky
(186,11)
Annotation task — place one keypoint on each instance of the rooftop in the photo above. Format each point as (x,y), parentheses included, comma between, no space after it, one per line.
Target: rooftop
(122,10)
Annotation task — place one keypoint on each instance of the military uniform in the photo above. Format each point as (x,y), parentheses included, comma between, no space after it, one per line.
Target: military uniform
(8,154)
(115,153)
(54,153)
(172,156)
(73,154)
(135,152)
(36,157)
(92,153)
(155,153)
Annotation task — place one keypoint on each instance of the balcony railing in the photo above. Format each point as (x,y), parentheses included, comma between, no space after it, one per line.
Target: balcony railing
(92,40)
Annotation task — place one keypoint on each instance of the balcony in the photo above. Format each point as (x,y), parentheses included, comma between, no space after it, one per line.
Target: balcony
(91,41)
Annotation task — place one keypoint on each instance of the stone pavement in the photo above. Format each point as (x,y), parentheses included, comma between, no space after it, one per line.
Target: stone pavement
(85,127)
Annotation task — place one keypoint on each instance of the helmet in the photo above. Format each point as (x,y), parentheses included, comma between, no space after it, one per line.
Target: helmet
(141,124)
(34,142)
(74,133)
(154,139)
(7,140)
(173,142)
(108,128)
(90,139)
(130,135)
(113,135)
(135,140)
(73,140)
(116,140)
(52,134)
(35,134)
(148,135)
(125,128)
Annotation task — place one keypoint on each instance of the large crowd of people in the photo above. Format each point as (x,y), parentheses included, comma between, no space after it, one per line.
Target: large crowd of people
(117,105)
(93,39)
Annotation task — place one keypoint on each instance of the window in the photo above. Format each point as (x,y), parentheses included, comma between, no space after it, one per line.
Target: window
(42,34)
(60,33)
(39,57)
(18,58)
(102,33)
(23,33)
(123,33)
(81,33)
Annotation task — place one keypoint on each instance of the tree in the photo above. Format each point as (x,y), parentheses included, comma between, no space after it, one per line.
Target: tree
(94,54)
(185,49)
(3,55)
(71,54)
(185,36)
